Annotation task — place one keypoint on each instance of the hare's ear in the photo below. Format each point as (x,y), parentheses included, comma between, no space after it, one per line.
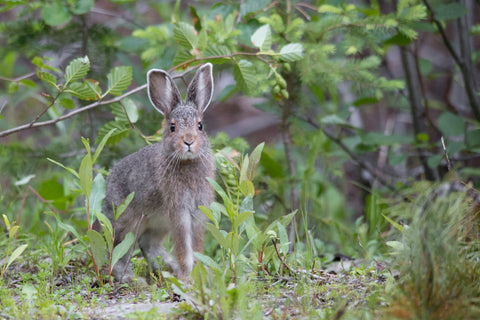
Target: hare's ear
(200,89)
(162,91)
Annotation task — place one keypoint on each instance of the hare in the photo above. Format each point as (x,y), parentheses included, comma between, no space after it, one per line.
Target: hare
(168,178)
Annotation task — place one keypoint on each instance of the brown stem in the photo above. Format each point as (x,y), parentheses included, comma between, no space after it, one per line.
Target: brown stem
(287,144)
(274,241)
(416,106)
(43,200)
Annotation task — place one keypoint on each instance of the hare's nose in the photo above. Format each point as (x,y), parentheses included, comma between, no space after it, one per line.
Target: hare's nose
(188,143)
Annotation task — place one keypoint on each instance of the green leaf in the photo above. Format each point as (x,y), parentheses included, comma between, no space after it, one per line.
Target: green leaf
(77,69)
(207,261)
(82,6)
(247,188)
(123,206)
(130,110)
(396,245)
(472,139)
(217,211)
(291,52)
(284,220)
(253,233)
(326,8)
(336,120)
(217,235)
(71,229)
(55,13)
(262,38)
(97,195)
(241,218)
(86,174)
(122,248)
(365,100)
(101,145)
(185,35)
(232,243)
(209,214)
(218,50)
(118,80)
(12,231)
(449,11)
(72,171)
(67,103)
(254,160)
(244,167)
(83,91)
(48,78)
(6,221)
(435,160)
(98,247)
(397,226)
(94,87)
(105,222)
(219,190)
(425,65)
(15,254)
(121,131)
(245,75)
(451,124)
(377,138)
(270,166)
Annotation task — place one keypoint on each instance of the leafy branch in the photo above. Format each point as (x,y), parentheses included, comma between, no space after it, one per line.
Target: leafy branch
(119,79)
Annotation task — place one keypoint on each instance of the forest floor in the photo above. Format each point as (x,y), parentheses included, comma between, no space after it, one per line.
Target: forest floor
(344,285)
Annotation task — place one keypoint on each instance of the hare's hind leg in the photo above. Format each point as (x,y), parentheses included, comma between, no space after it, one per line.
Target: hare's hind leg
(151,244)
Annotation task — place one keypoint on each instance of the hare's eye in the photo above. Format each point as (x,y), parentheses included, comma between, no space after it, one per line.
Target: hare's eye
(200,126)
(172,127)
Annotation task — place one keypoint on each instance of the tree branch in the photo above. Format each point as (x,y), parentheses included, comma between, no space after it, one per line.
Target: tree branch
(416,107)
(71,114)
(17,79)
(35,124)
(362,164)
(463,61)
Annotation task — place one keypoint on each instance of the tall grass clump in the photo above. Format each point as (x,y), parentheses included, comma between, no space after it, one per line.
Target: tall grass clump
(437,253)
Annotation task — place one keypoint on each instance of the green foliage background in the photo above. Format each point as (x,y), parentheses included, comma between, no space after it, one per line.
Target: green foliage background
(72,69)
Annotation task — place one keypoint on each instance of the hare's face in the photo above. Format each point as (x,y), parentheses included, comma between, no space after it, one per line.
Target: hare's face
(184,137)
(184,134)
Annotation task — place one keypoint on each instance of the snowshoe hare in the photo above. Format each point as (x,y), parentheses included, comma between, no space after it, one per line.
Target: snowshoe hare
(168,178)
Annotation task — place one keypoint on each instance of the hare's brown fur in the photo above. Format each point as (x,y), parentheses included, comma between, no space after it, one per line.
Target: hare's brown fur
(168,178)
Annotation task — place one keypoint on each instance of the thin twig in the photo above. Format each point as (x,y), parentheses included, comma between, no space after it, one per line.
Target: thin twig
(71,114)
(274,241)
(446,154)
(362,164)
(43,200)
(17,79)
(132,124)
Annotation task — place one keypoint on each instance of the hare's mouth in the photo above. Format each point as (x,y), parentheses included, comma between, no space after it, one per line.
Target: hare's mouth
(189,155)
